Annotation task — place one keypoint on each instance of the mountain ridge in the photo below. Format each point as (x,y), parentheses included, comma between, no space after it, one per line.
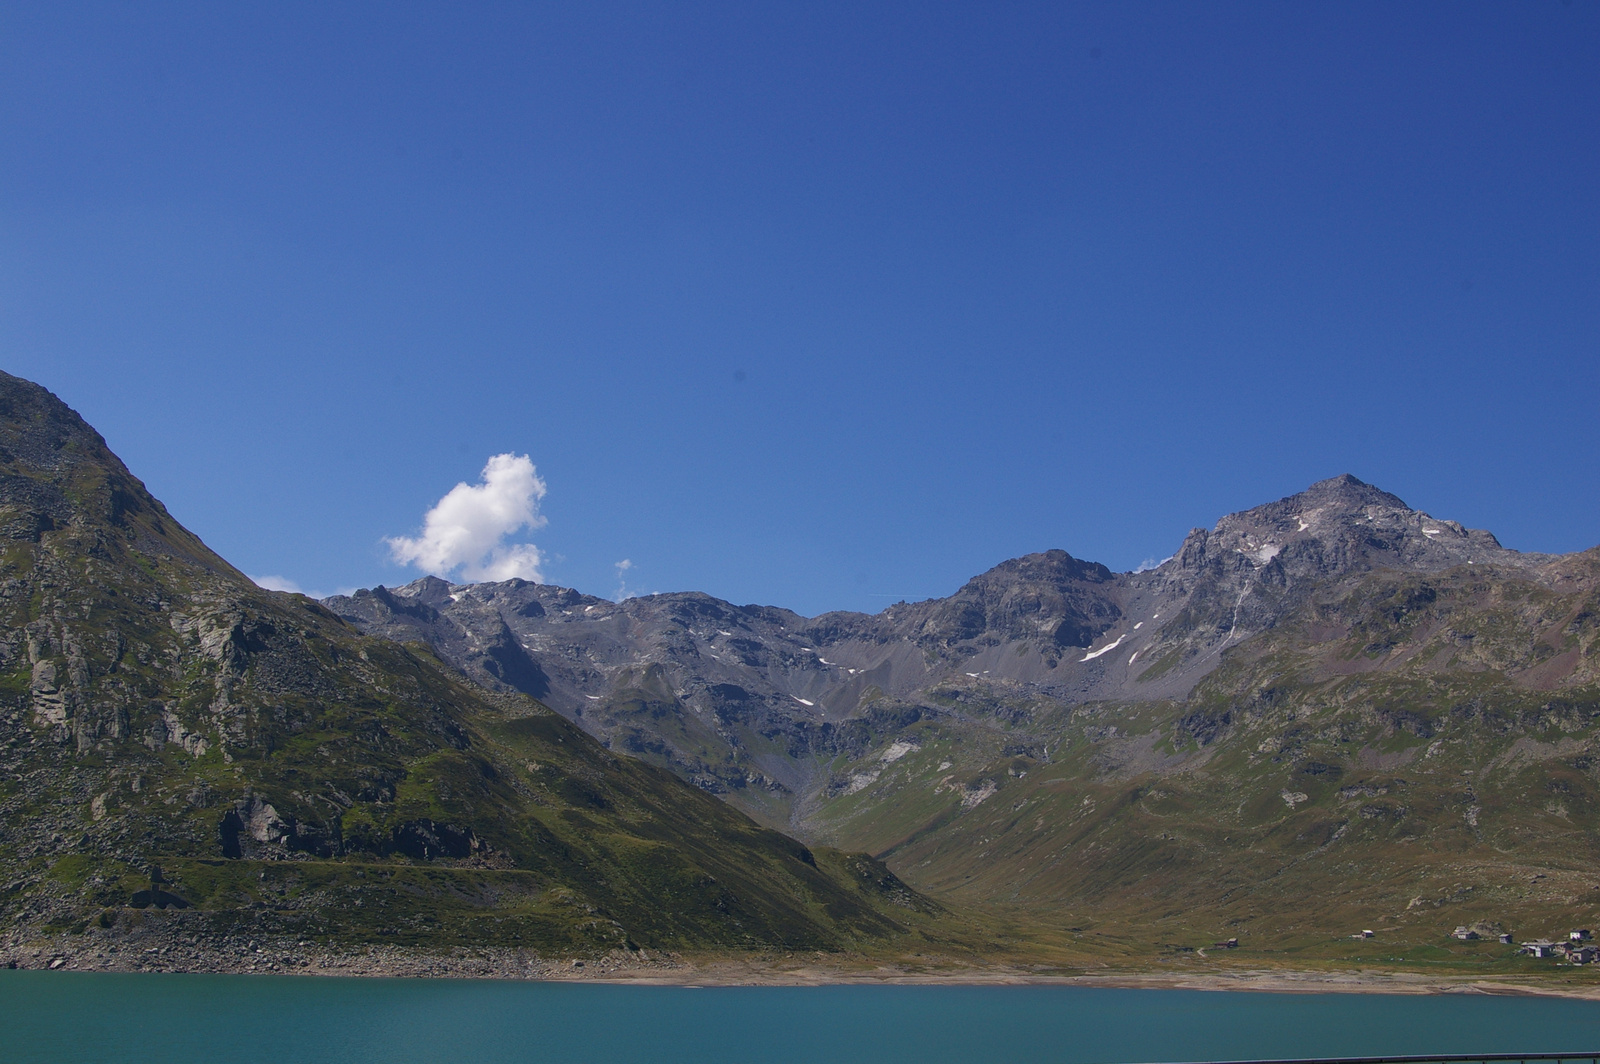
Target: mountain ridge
(1330,696)
(1071,629)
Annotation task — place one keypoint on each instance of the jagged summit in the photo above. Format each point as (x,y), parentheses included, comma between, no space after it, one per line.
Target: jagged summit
(1348,490)
(1231,582)
(1334,526)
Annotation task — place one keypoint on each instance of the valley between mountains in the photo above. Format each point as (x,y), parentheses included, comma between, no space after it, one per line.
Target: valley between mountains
(1328,714)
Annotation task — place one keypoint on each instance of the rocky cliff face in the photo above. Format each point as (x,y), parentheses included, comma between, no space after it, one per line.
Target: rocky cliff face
(290,774)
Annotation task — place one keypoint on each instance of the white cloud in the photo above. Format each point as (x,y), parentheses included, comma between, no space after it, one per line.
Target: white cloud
(1153,563)
(622,582)
(467,529)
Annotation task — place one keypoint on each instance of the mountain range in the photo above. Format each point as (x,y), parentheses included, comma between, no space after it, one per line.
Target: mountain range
(1328,714)
(1331,694)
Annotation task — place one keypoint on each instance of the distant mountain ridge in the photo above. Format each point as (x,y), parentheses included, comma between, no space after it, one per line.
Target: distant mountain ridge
(735,697)
(1331,696)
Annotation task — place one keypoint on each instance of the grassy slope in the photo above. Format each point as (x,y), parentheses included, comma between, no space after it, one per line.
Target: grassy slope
(1406,754)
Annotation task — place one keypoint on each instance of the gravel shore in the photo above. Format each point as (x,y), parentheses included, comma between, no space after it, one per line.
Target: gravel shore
(173,950)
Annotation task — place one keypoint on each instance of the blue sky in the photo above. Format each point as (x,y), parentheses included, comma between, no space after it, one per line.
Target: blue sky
(814,305)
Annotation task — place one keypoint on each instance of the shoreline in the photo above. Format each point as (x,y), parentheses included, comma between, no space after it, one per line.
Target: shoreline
(263,956)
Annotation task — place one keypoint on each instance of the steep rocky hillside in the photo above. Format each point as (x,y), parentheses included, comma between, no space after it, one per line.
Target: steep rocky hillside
(287,773)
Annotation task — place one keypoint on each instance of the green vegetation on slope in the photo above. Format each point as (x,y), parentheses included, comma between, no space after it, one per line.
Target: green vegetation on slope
(1402,754)
(287,773)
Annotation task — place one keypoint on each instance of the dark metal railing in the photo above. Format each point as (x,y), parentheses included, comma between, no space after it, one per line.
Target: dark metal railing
(1434,1058)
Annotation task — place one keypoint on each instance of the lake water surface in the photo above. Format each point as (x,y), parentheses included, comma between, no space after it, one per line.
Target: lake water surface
(219,1019)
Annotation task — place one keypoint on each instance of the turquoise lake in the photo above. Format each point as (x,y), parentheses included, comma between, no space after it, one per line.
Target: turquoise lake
(64,1016)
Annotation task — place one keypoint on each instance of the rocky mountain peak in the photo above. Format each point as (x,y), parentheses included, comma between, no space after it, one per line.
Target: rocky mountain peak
(429,591)
(1229,582)
(1334,526)
(58,476)
(1047,567)
(1346,491)
(1322,509)
(1050,595)
(38,430)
